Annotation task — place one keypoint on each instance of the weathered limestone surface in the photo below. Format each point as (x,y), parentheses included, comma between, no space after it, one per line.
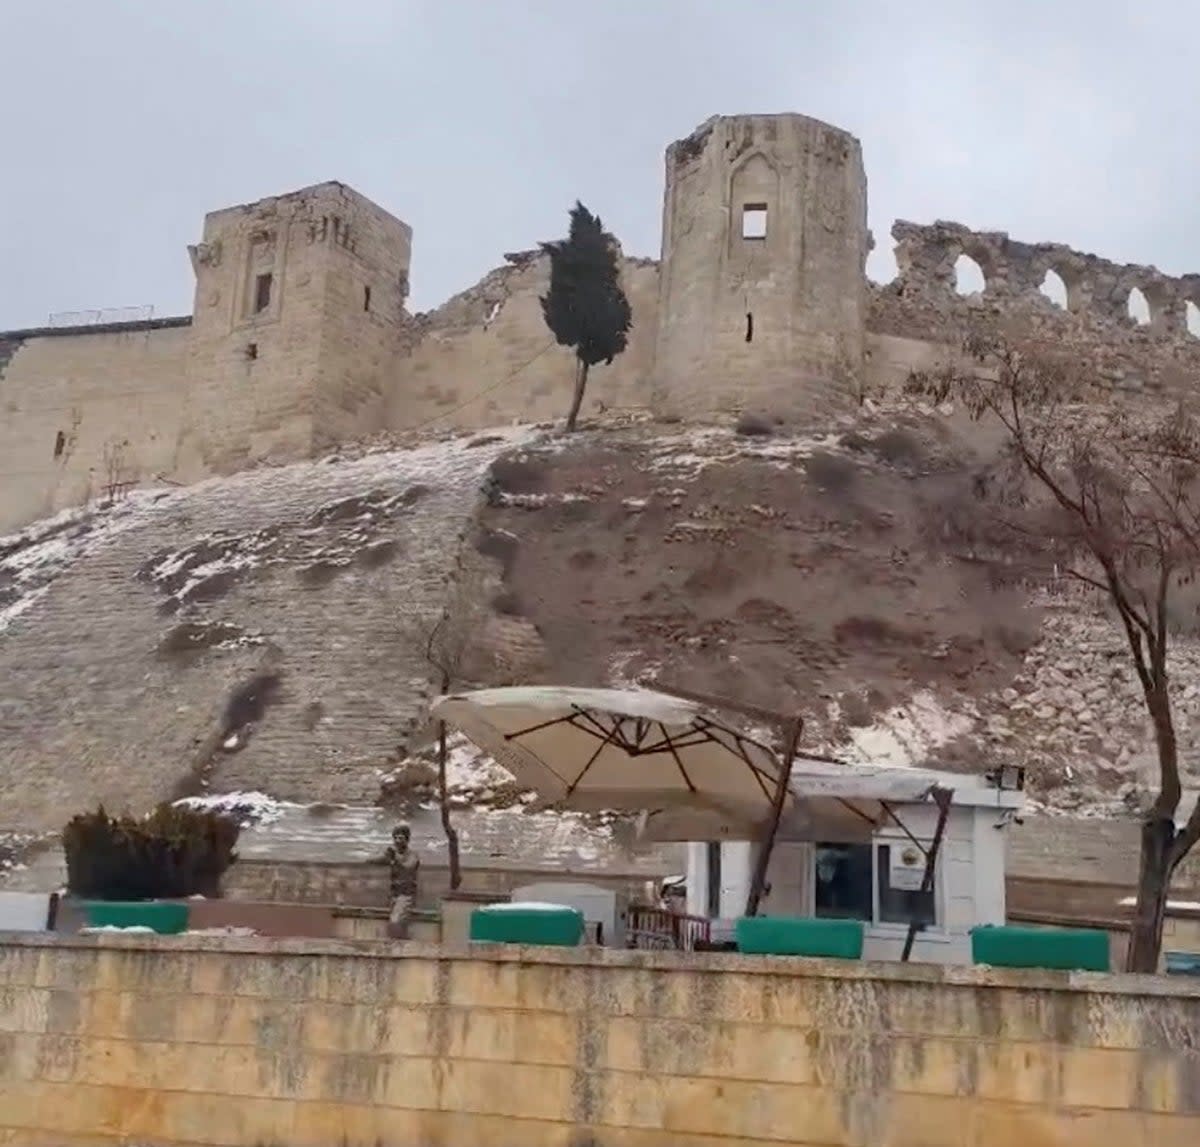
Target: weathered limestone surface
(243,1042)
(261,629)
(923,306)
(114,395)
(782,323)
(486,357)
(775,322)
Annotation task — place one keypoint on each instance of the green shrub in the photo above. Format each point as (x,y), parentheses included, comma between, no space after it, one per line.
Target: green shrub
(172,852)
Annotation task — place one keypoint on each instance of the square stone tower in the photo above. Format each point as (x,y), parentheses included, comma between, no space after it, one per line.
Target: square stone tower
(299,307)
(762,290)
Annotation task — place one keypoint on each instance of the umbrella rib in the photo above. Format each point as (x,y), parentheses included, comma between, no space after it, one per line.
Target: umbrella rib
(615,734)
(708,722)
(567,720)
(592,759)
(857,811)
(738,750)
(678,760)
(681,742)
(887,808)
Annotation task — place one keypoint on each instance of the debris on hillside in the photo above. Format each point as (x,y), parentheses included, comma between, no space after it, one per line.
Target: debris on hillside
(472,778)
(809,573)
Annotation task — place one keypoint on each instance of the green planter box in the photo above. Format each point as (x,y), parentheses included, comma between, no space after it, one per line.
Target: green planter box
(1064,949)
(557,927)
(165,917)
(1183,963)
(800,936)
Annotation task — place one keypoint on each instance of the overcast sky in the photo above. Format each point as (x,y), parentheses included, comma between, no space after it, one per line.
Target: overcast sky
(480,121)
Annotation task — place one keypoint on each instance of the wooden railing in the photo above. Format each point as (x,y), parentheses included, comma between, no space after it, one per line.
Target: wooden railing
(658,929)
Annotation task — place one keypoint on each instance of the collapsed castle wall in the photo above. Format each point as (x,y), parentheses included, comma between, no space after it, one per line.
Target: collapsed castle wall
(486,357)
(920,318)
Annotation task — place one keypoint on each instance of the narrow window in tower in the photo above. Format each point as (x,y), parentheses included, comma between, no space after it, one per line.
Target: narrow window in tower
(366,298)
(754,221)
(749,326)
(60,444)
(262,293)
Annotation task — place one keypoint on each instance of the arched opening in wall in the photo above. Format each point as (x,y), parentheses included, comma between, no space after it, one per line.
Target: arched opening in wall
(881,265)
(1139,309)
(968,276)
(1054,289)
(1192,315)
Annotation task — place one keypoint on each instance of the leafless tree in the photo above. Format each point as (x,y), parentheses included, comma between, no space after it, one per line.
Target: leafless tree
(444,653)
(1109,495)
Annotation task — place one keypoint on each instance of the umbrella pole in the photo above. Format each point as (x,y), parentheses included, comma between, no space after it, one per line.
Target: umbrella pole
(759,880)
(942,798)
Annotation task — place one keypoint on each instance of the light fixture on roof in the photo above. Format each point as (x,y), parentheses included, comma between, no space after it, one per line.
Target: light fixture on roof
(1010,778)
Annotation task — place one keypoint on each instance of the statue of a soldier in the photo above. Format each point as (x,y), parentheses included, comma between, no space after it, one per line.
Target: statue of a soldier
(403,866)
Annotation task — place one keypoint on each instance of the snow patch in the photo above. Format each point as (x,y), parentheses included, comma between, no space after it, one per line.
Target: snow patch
(1172,905)
(126,930)
(248,807)
(31,559)
(688,454)
(472,777)
(907,734)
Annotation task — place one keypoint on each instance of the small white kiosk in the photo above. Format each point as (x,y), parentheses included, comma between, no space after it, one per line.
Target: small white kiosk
(876,876)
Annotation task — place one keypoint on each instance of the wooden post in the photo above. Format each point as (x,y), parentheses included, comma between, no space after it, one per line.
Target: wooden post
(759,880)
(942,798)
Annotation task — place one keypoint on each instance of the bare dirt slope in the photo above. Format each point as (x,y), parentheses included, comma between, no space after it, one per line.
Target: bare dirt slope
(813,574)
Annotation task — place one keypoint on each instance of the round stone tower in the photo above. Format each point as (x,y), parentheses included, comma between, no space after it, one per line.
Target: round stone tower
(762,287)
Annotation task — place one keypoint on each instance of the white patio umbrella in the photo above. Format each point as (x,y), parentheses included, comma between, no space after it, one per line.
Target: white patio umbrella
(691,776)
(624,750)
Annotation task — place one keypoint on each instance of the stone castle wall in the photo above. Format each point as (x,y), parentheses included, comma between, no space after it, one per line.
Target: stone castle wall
(486,357)
(783,322)
(80,410)
(196,1040)
(920,316)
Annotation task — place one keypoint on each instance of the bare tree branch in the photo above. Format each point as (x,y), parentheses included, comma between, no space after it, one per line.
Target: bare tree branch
(1111,497)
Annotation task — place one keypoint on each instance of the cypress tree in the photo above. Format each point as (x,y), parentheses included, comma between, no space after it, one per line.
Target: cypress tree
(585,307)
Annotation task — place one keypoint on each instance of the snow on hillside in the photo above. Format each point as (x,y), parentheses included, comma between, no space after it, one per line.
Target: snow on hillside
(32,558)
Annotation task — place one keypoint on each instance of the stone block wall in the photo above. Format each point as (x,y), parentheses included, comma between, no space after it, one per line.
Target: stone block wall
(286,344)
(486,357)
(764,245)
(364,885)
(82,409)
(202,1041)
(921,317)
(257,630)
